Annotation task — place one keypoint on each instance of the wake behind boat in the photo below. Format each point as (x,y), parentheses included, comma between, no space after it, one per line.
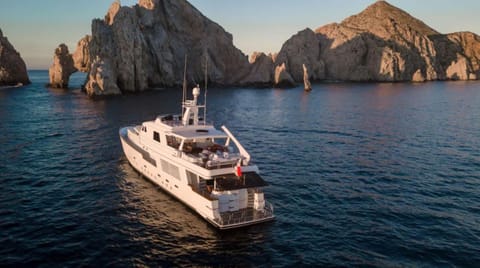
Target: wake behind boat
(205,168)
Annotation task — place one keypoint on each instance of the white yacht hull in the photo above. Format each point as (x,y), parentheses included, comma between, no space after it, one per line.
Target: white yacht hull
(149,164)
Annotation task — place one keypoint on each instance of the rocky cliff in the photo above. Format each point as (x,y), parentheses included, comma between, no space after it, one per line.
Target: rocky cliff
(13,70)
(81,56)
(144,46)
(382,43)
(261,70)
(62,67)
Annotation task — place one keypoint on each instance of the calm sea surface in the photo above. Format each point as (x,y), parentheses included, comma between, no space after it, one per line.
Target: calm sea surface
(384,175)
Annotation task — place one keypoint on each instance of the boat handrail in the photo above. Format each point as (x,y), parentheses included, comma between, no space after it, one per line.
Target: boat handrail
(175,123)
(242,150)
(246,215)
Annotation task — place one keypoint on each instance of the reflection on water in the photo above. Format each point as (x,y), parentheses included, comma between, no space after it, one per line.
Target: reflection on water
(175,230)
(155,207)
(381,175)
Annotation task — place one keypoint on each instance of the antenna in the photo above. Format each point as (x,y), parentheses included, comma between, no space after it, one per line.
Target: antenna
(184,85)
(206,84)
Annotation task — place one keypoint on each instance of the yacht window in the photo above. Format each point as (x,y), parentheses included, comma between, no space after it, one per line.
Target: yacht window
(210,185)
(156,136)
(171,169)
(173,141)
(192,179)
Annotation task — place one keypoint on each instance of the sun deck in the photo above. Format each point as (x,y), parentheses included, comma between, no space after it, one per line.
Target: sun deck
(201,144)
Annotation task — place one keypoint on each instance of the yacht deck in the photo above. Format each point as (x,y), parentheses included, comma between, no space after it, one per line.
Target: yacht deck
(244,217)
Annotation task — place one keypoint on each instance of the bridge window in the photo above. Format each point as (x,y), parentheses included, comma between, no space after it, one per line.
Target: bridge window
(173,141)
(156,136)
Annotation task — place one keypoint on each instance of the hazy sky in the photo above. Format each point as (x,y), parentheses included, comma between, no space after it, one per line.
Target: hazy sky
(36,27)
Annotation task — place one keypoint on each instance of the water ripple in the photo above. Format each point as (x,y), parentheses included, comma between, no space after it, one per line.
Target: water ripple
(381,175)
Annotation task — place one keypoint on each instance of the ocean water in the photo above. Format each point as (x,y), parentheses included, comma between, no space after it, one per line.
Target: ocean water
(375,175)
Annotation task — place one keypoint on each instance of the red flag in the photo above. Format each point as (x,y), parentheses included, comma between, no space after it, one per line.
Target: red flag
(238,171)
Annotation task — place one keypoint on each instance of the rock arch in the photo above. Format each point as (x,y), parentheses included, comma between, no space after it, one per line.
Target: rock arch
(65,64)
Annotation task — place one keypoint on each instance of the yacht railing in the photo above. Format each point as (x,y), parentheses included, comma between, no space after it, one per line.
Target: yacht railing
(220,163)
(245,216)
(177,121)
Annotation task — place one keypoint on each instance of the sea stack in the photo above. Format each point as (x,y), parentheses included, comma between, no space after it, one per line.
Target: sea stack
(62,67)
(13,70)
(144,46)
(306,79)
(282,78)
(81,56)
(261,71)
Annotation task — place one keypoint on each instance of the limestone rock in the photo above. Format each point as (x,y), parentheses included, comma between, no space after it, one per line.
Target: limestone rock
(459,69)
(13,70)
(283,79)
(145,47)
(306,79)
(112,12)
(274,56)
(302,48)
(129,60)
(148,4)
(61,68)
(382,43)
(469,45)
(81,56)
(387,21)
(418,76)
(391,64)
(101,79)
(261,71)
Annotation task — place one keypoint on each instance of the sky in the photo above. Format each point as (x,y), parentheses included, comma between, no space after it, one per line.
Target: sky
(37,27)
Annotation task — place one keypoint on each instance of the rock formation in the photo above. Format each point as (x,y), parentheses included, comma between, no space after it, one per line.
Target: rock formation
(261,71)
(81,56)
(13,70)
(382,43)
(306,79)
(302,48)
(101,79)
(61,68)
(282,77)
(144,46)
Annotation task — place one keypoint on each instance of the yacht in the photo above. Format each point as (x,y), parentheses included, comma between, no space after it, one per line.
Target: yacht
(206,168)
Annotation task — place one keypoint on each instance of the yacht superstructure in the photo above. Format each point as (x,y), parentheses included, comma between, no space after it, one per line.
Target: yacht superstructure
(204,167)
